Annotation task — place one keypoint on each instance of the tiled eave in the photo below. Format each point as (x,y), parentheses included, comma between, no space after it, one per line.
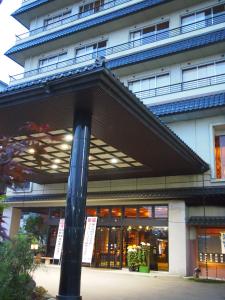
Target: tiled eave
(162,110)
(189,105)
(206,221)
(192,196)
(169,49)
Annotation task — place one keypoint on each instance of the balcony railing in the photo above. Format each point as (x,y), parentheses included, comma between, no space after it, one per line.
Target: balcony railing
(72,18)
(174,32)
(157,36)
(181,87)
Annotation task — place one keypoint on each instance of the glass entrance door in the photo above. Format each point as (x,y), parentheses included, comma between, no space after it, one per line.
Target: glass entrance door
(108,248)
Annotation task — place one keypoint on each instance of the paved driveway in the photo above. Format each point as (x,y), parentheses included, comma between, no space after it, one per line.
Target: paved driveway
(122,285)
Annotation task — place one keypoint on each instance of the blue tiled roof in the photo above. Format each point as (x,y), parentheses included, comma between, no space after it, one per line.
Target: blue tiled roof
(180,46)
(172,108)
(200,103)
(81,70)
(30,6)
(87,24)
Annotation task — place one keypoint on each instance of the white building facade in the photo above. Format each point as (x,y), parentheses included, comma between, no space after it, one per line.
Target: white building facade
(171,55)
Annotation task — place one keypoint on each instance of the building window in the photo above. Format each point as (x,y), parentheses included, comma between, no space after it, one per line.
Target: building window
(93,7)
(91,51)
(130,212)
(161,211)
(145,212)
(91,212)
(155,84)
(220,156)
(104,212)
(202,18)
(150,34)
(56,20)
(199,76)
(116,212)
(52,62)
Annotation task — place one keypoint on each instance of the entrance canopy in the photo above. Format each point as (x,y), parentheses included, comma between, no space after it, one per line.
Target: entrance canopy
(127,139)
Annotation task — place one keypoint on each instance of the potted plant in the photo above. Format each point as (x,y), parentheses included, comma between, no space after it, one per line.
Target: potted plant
(132,258)
(144,257)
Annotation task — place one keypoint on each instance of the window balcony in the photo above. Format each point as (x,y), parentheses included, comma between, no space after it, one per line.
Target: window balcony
(109,52)
(207,22)
(71,18)
(181,87)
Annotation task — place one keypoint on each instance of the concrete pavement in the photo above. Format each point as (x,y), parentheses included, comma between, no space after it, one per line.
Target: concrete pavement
(122,285)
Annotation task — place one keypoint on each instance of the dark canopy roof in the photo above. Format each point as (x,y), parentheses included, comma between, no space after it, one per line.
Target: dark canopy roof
(206,221)
(118,118)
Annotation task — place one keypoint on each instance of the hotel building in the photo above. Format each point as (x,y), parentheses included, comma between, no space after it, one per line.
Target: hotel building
(157,159)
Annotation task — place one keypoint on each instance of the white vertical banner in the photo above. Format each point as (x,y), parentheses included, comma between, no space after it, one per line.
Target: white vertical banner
(89,239)
(222,242)
(59,240)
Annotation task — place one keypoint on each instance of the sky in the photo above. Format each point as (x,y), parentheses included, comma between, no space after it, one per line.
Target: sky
(9,27)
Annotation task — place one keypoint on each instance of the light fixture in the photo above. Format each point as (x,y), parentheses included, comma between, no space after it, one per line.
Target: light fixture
(57,161)
(140,227)
(68,137)
(65,146)
(34,246)
(31,150)
(114,160)
(54,166)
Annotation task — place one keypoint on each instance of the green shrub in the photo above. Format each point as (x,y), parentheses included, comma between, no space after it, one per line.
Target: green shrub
(16,266)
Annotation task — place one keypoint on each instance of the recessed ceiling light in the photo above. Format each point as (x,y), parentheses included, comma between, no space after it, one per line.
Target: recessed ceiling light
(68,137)
(54,166)
(65,147)
(57,161)
(31,150)
(114,160)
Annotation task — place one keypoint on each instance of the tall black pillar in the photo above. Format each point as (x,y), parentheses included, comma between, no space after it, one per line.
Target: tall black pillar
(70,277)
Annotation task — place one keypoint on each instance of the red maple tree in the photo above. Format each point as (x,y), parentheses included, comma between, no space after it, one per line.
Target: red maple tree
(12,173)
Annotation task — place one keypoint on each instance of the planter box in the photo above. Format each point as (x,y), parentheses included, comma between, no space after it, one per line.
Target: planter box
(144,269)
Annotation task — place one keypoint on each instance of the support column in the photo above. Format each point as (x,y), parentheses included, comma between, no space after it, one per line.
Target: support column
(11,217)
(177,238)
(70,277)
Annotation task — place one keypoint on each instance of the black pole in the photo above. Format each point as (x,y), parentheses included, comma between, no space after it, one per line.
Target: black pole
(70,277)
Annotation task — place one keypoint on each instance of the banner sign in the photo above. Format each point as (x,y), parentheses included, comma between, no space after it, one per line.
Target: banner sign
(59,240)
(223,242)
(89,239)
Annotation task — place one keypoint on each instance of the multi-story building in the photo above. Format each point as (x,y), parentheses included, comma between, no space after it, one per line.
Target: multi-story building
(171,55)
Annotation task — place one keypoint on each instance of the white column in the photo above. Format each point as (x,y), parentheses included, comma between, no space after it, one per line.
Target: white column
(12,220)
(177,238)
